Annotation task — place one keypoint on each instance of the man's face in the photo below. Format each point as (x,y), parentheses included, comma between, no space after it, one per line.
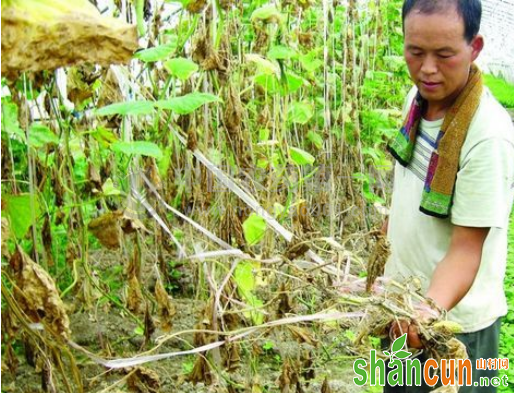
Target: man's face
(438,55)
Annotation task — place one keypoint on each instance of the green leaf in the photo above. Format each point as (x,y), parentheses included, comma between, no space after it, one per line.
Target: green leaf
(254,228)
(142,148)
(300,112)
(294,82)
(267,14)
(402,354)
(257,316)
(157,53)
(272,85)
(40,135)
(108,188)
(181,68)
(17,209)
(268,82)
(140,331)
(184,3)
(127,108)
(281,52)
(278,209)
(264,134)
(104,136)
(10,124)
(316,139)
(386,353)
(179,234)
(264,66)
(244,277)
(165,162)
(310,62)
(394,63)
(301,157)
(399,343)
(187,103)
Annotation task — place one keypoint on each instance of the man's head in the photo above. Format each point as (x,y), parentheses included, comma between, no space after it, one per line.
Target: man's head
(441,42)
(469,10)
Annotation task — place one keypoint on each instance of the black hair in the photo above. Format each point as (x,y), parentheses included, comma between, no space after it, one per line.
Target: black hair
(469,10)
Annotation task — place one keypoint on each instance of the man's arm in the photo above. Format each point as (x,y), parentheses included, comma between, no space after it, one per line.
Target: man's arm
(453,276)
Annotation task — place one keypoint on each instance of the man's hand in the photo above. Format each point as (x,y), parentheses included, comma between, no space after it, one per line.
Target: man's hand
(411,327)
(451,281)
(384,227)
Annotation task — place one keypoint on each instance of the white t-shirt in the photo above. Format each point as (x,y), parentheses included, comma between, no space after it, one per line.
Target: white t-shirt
(484,193)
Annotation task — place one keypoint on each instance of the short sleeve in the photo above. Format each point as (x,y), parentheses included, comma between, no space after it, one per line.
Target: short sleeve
(484,186)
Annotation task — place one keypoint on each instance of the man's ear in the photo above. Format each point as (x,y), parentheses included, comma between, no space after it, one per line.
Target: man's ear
(477,44)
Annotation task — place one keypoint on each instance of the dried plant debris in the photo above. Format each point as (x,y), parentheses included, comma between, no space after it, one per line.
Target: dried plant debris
(201,372)
(48,34)
(144,380)
(196,6)
(232,356)
(302,335)
(134,295)
(289,380)
(284,304)
(296,249)
(37,294)
(396,302)
(166,309)
(377,259)
(5,237)
(325,388)
(107,229)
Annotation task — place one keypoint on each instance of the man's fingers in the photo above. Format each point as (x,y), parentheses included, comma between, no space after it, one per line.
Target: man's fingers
(413,338)
(401,327)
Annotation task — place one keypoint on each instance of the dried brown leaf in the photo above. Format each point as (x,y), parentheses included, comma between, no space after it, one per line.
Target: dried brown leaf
(93,178)
(232,355)
(46,234)
(304,217)
(107,229)
(302,335)
(144,380)
(5,237)
(288,378)
(325,388)
(377,260)
(37,294)
(153,175)
(149,324)
(201,372)
(130,222)
(308,369)
(134,295)
(196,6)
(284,303)
(166,308)
(52,34)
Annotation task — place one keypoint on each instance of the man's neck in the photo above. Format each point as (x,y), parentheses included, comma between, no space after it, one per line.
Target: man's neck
(434,112)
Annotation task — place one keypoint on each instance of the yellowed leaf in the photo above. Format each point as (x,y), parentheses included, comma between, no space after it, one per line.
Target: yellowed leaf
(37,294)
(48,34)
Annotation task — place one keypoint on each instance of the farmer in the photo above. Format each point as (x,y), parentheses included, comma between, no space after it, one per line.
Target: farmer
(453,180)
